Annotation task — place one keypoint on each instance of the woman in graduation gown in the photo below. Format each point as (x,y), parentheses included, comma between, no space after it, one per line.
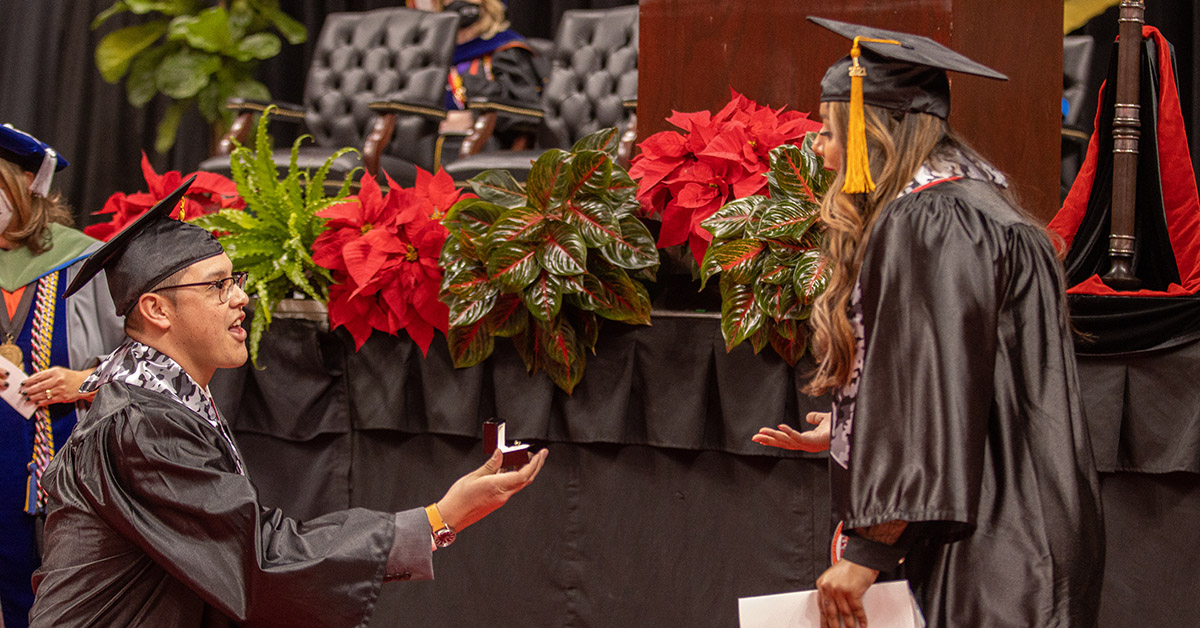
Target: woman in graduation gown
(53,340)
(959,456)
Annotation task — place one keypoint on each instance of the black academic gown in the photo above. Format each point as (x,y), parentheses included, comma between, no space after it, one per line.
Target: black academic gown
(967,420)
(150,524)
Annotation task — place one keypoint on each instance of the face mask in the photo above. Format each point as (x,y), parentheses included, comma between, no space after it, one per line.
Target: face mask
(6,211)
(468,13)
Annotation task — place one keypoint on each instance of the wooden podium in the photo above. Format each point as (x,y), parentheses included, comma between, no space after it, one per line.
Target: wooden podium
(693,51)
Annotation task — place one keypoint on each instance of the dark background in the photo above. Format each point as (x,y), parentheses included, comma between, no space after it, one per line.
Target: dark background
(52,89)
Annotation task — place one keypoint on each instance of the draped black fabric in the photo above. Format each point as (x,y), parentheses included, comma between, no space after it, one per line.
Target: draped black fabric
(654,509)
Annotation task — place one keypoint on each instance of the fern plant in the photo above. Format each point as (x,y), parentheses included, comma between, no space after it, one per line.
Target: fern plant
(273,238)
(768,252)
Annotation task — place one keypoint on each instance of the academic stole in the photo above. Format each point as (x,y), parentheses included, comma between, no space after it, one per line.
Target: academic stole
(43,440)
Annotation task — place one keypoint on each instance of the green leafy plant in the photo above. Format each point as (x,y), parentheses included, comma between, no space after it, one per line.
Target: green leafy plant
(768,251)
(272,239)
(194,52)
(543,262)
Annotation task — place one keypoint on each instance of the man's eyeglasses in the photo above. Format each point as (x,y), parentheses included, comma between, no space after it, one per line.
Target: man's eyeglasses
(223,286)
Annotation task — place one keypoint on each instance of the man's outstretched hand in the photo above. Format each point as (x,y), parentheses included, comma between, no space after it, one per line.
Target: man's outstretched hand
(476,494)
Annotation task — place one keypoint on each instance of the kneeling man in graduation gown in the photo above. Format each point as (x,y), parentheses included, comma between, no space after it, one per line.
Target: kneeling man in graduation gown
(151,519)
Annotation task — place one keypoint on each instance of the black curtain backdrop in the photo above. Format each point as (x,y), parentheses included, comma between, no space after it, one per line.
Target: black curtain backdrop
(51,88)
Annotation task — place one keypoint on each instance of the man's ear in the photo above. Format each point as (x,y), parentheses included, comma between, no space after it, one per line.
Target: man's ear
(156,311)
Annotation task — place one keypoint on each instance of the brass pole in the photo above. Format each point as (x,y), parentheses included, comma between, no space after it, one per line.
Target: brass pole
(1126,132)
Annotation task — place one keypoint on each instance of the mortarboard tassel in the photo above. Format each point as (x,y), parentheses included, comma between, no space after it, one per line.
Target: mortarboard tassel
(858,167)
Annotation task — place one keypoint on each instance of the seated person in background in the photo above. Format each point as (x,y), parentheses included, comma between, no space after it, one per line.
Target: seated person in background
(53,340)
(494,63)
(151,519)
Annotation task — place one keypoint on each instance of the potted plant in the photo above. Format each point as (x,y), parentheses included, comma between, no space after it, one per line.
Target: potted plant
(685,176)
(543,262)
(273,238)
(195,53)
(768,252)
(382,251)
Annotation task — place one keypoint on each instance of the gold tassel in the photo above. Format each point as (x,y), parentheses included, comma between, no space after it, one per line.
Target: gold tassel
(858,167)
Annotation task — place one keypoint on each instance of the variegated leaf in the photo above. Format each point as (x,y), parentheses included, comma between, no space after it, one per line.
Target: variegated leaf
(499,187)
(738,260)
(786,219)
(513,266)
(466,311)
(470,344)
(740,315)
(562,250)
(470,283)
(559,353)
(544,177)
(595,221)
(634,249)
(789,338)
(813,272)
(605,140)
(733,220)
(543,297)
(777,300)
(509,316)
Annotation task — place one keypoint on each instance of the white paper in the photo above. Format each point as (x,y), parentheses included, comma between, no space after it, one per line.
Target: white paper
(887,604)
(12,394)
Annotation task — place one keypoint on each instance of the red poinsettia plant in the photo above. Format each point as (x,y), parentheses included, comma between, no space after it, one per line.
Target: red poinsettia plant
(685,177)
(209,193)
(383,253)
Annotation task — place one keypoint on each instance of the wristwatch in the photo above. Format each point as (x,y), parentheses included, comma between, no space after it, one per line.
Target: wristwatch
(443,534)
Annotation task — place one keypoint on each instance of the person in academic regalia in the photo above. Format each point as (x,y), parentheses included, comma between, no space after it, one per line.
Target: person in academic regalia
(55,341)
(491,62)
(151,519)
(959,456)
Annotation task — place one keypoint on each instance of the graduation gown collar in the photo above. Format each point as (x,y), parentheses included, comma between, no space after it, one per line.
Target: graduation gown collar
(136,364)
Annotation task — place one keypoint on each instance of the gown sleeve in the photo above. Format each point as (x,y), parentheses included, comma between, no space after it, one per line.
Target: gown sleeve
(168,485)
(930,286)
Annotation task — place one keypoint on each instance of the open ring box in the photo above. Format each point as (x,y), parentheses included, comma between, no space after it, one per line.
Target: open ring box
(516,454)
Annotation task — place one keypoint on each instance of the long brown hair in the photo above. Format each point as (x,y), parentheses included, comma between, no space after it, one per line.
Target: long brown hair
(32,215)
(897,143)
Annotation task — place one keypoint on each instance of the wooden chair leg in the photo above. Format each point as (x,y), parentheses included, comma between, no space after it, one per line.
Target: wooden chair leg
(628,143)
(239,131)
(485,125)
(379,137)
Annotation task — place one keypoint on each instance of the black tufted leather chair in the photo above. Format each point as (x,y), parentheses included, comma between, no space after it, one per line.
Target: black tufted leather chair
(376,83)
(592,86)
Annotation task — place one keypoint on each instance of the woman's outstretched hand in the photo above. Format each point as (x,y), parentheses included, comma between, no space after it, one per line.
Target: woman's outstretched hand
(788,437)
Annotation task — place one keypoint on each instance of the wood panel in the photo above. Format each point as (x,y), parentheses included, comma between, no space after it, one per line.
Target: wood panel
(693,51)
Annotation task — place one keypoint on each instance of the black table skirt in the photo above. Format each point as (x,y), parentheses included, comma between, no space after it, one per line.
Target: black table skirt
(655,508)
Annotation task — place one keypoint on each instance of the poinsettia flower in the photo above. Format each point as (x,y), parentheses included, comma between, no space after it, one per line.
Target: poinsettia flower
(685,176)
(209,193)
(383,250)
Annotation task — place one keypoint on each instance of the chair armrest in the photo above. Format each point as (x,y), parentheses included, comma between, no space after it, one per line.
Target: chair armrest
(239,131)
(285,110)
(630,104)
(396,107)
(532,115)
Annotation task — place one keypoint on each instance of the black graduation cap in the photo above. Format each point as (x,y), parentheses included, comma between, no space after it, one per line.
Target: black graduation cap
(893,70)
(152,248)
